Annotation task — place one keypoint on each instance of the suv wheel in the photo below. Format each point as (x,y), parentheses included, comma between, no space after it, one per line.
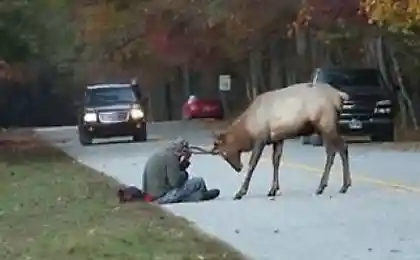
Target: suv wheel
(305,140)
(141,135)
(383,135)
(186,116)
(316,140)
(84,138)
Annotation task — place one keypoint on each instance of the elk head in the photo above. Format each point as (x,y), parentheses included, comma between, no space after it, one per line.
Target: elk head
(224,145)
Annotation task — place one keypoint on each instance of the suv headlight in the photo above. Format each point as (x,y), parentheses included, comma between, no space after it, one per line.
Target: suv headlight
(385,102)
(89,117)
(136,113)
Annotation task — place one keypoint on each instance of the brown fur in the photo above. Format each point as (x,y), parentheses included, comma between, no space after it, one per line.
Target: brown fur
(237,139)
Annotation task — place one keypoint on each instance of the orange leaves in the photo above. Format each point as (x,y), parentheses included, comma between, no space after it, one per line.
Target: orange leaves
(394,14)
(112,30)
(97,21)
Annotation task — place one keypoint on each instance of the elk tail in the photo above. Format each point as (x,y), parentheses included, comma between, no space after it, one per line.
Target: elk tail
(343,95)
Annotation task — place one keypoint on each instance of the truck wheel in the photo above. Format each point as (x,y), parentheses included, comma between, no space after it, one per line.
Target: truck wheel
(84,138)
(186,117)
(316,140)
(141,135)
(305,140)
(384,135)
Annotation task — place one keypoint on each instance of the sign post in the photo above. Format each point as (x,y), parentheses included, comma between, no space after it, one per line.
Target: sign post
(224,87)
(224,82)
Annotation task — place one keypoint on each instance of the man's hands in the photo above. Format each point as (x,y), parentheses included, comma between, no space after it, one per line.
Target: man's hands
(187,155)
(185,161)
(183,165)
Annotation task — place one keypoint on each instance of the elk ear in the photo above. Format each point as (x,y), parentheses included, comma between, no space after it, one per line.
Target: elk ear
(219,136)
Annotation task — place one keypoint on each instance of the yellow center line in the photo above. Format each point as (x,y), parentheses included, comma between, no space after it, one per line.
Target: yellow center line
(361,177)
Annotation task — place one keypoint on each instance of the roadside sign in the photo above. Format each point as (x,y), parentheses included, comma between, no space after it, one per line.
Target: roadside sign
(224,82)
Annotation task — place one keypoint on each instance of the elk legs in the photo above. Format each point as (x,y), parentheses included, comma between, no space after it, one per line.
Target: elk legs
(330,152)
(277,152)
(331,148)
(344,154)
(253,161)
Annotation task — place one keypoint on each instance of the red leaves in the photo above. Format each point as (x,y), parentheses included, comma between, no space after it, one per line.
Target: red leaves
(324,12)
(169,39)
(178,38)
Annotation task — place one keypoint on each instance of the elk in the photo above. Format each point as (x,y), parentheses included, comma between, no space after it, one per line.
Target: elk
(297,110)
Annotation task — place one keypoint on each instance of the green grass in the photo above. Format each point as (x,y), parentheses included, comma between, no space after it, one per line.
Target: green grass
(54,208)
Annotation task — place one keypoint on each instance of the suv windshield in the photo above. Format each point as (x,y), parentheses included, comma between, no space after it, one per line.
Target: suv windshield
(109,96)
(350,77)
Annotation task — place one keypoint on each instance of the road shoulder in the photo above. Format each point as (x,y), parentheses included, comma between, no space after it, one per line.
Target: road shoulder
(52,207)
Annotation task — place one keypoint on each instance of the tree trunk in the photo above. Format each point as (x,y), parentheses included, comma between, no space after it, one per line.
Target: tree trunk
(340,59)
(381,60)
(370,58)
(291,77)
(186,76)
(403,90)
(388,79)
(149,106)
(328,55)
(255,72)
(315,50)
(404,100)
(275,66)
(168,102)
(300,37)
(249,91)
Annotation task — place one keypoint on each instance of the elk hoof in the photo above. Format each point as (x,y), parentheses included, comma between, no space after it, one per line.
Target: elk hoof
(320,189)
(238,195)
(344,188)
(272,193)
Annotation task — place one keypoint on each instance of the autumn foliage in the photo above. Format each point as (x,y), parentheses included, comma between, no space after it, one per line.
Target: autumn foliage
(197,32)
(393,14)
(166,38)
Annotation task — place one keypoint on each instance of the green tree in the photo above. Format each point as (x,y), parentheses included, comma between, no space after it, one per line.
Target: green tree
(31,29)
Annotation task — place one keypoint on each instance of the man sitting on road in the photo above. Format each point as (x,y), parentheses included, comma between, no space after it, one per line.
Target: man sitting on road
(166,180)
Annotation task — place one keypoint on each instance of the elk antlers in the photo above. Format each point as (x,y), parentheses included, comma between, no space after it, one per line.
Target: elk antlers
(201,150)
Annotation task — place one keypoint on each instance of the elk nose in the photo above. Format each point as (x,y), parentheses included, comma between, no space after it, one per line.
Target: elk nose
(240,168)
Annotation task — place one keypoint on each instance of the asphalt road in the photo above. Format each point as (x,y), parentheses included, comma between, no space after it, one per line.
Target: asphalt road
(378,219)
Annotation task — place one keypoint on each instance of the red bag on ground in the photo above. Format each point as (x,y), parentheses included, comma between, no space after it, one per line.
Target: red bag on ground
(131,194)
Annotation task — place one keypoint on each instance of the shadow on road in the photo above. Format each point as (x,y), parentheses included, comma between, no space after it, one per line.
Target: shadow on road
(358,141)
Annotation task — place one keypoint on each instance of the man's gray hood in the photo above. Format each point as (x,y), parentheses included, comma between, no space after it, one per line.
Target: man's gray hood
(178,147)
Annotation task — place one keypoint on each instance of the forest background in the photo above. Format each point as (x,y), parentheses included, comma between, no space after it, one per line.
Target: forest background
(50,49)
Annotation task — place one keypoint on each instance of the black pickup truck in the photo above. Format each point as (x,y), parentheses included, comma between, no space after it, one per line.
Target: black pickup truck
(369,111)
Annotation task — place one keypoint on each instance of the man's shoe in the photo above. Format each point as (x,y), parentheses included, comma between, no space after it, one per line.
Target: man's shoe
(211,194)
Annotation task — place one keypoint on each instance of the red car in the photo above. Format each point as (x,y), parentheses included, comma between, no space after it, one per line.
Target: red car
(196,107)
